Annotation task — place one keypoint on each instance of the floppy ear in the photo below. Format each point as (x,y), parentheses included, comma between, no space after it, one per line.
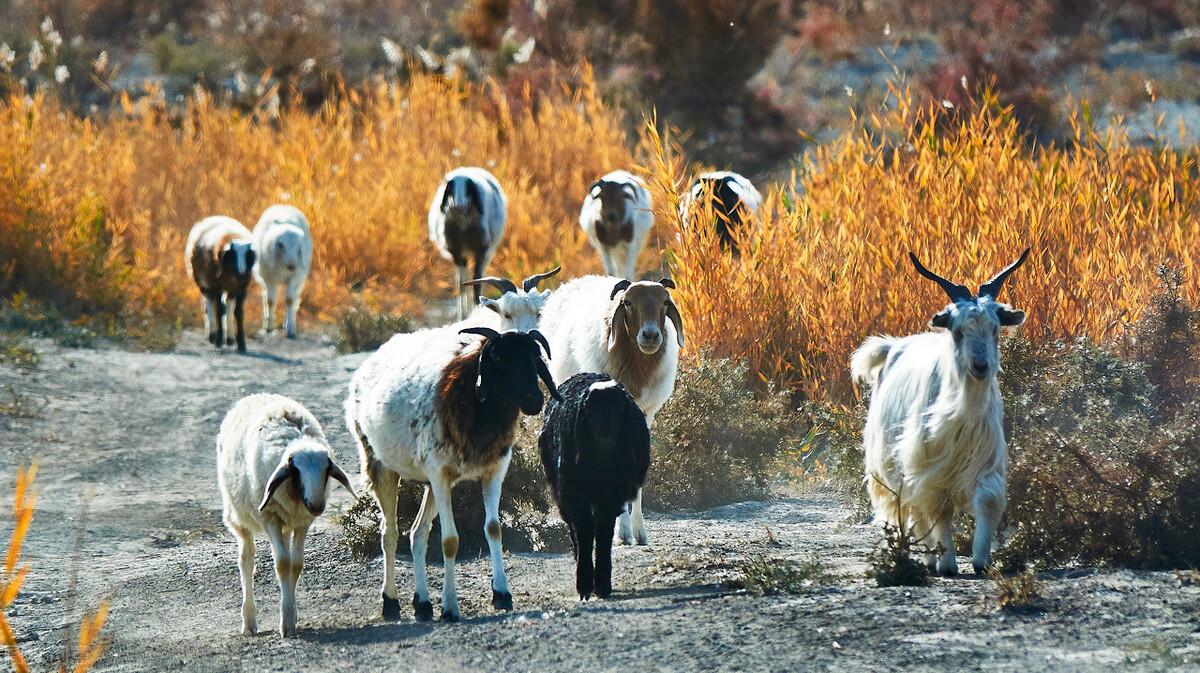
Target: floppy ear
(627,192)
(667,283)
(594,189)
(622,284)
(490,303)
(474,196)
(483,380)
(673,314)
(446,194)
(279,476)
(1010,317)
(618,323)
(941,319)
(336,473)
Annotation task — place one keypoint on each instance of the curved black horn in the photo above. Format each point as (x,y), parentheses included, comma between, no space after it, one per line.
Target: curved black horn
(621,285)
(992,287)
(956,292)
(537,336)
(502,284)
(485,332)
(531,282)
(667,283)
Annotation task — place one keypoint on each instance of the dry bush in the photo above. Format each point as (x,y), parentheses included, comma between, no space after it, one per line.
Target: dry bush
(772,576)
(1021,592)
(82,654)
(94,213)
(825,264)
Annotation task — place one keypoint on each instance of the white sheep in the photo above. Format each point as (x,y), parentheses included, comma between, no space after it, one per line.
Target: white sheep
(631,331)
(934,438)
(617,218)
(466,224)
(285,251)
(273,469)
(732,198)
(220,257)
(517,308)
(440,406)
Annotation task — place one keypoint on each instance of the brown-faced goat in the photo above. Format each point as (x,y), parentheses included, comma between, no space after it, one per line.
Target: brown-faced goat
(220,257)
(630,331)
(439,406)
(466,223)
(934,439)
(617,218)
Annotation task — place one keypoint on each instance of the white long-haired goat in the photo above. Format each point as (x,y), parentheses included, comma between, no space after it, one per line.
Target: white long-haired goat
(934,439)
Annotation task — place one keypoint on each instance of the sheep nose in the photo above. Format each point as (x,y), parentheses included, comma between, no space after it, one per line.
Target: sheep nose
(611,217)
(291,267)
(979,368)
(650,335)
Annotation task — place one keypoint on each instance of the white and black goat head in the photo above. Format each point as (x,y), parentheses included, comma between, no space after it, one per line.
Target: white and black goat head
(974,320)
(510,364)
(518,308)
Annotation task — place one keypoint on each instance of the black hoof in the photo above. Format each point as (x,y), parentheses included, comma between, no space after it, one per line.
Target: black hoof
(501,600)
(291,336)
(242,349)
(953,572)
(214,339)
(980,570)
(603,592)
(391,608)
(932,568)
(228,341)
(450,617)
(422,610)
(583,596)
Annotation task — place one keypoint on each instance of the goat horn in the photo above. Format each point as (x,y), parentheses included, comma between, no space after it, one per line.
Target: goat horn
(992,287)
(537,336)
(485,332)
(621,285)
(531,282)
(502,284)
(956,292)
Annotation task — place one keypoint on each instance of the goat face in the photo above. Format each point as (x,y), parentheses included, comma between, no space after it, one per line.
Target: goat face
(308,469)
(616,198)
(520,311)
(237,259)
(641,315)
(510,364)
(975,328)
(288,249)
(974,321)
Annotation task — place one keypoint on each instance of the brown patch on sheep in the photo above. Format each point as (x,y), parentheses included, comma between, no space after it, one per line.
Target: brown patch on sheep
(629,365)
(478,433)
(206,266)
(615,201)
(450,547)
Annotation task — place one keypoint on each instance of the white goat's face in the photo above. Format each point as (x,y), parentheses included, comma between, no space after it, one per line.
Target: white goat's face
(288,250)
(520,310)
(975,328)
(307,468)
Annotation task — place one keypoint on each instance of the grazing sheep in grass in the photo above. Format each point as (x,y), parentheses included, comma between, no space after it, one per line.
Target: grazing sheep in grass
(220,257)
(285,250)
(934,438)
(440,406)
(466,223)
(595,450)
(617,218)
(273,468)
(732,198)
(631,331)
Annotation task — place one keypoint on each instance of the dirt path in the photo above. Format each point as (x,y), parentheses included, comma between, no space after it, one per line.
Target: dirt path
(134,433)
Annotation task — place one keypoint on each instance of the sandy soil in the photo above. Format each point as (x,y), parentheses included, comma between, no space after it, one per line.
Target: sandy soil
(132,435)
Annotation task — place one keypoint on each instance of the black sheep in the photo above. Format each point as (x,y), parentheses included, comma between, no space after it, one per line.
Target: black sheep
(595,448)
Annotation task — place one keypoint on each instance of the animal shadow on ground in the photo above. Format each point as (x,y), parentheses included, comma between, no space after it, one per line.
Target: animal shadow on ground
(363,635)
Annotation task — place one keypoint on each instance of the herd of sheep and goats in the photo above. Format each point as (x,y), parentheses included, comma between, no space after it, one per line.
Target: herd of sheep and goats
(441,405)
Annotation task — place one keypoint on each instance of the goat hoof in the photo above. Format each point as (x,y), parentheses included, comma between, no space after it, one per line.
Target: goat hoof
(949,572)
(981,571)
(502,600)
(422,610)
(584,597)
(391,608)
(642,539)
(212,339)
(242,348)
(228,341)
(450,616)
(291,335)
(603,592)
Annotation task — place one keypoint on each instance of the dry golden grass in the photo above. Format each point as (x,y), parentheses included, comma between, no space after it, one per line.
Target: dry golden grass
(90,645)
(826,264)
(94,213)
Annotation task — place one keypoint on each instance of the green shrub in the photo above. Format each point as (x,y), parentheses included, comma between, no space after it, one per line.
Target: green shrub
(770,576)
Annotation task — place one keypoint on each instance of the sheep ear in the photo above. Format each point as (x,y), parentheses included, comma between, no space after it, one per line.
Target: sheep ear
(617,323)
(594,189)
(1010,317)
(941,319)
(279,476)
(337,473)
(490,303)
(673,314)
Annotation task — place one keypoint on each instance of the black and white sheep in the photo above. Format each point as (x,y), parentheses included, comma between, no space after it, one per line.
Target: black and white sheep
(617,217)
(220,257)
(595,449)
(630,331)
(466,223)
(285,249)
(728,197)
(273,469)
(439,406)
